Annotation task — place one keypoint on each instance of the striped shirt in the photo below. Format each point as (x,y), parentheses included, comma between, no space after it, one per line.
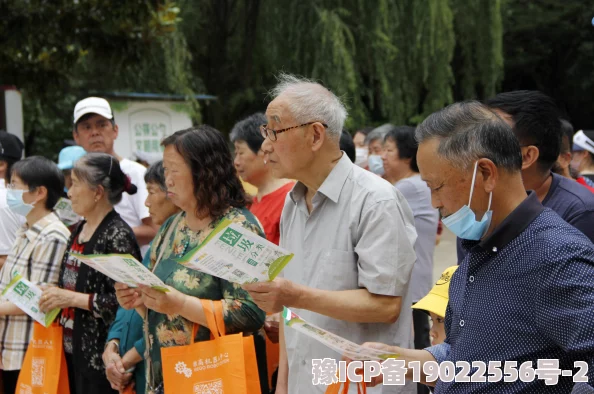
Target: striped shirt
(37,255)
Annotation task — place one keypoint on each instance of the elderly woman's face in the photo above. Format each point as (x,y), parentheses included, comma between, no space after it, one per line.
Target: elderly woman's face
(84,198)
(160,207)
(178,179)
(394,166)
(249,165)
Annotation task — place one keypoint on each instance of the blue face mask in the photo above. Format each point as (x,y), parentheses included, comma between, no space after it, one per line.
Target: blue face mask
(376,164)
(14,200)
(463,223)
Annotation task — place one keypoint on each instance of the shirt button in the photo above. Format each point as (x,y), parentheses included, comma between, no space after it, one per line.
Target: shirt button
(461,323)
(494,249)
(471,279)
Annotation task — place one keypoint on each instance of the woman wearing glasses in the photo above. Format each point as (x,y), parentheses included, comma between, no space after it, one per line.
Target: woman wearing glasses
(36,185)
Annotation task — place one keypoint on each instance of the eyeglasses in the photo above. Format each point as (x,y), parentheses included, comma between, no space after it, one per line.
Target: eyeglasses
(12,186)
(271,134)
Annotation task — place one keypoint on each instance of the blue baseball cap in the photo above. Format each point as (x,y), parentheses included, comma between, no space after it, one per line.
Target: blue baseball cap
(69,156)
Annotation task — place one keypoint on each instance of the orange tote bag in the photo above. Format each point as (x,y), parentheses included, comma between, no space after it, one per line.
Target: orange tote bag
(224,365)
(44,369)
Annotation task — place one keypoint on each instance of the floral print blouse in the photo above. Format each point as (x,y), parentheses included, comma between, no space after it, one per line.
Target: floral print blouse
(241,314)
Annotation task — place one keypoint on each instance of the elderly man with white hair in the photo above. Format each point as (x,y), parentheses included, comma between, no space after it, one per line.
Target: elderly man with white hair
(352,234)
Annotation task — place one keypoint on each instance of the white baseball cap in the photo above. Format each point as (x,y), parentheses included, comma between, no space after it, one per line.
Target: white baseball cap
(92,105)
(582,142)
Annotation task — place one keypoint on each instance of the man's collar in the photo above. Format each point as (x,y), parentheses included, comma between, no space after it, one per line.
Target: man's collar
(514,224)
(332,185)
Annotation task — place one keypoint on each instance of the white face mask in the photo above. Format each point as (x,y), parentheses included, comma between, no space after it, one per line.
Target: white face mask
(376,164)
(14,200)
(361,158)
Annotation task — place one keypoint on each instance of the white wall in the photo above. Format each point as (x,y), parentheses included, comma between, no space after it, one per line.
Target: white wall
(14,113)
(143,124)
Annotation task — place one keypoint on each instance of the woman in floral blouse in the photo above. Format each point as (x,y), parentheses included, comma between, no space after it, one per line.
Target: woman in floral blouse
(201,180)
(87,297)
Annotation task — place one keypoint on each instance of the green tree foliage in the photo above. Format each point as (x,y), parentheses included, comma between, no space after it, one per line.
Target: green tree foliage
(549,46)
(56,52)
(391,60)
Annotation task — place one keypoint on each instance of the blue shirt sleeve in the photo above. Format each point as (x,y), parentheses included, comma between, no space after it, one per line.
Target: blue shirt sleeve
(440,352)
(140,347)
(564,300)
(140,344)
(115,331)
(118,328)
(584,222)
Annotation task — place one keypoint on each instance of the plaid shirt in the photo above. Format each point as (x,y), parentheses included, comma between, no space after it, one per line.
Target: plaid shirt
(37,255)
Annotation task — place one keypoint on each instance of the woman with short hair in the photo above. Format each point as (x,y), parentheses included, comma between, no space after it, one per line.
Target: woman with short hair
(126,346)
(201,180)
(36,186)
(400,164)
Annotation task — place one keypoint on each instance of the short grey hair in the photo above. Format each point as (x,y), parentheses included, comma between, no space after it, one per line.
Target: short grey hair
(468,131)
(156,174)
(310,101)
(379,133)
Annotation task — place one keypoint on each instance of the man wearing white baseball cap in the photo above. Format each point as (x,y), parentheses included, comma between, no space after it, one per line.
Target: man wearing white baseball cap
(96,131)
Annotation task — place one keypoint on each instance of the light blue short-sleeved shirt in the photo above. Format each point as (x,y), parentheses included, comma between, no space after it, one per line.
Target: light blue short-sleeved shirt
(360,234)
(418,196)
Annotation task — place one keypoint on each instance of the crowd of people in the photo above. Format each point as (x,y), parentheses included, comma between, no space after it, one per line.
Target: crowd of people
(362,214)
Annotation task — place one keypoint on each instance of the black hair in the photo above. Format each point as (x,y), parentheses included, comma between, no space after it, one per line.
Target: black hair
(248,130)
(156,174)
(347,145)
(535,122)
(567,137)
(404,138)
(216,185)
(38,171)
(365,130)
(87,116)
(101,169)
(11,151)
(9,166)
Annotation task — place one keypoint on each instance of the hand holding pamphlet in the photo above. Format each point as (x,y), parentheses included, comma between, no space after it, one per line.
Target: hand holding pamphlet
(26,296)
(238,255)
(123,268)
(343,346)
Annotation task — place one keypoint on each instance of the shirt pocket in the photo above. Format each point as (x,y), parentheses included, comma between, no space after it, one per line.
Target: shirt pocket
(337,270)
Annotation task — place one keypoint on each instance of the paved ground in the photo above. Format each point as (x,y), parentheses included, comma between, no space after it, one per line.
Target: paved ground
(445,253)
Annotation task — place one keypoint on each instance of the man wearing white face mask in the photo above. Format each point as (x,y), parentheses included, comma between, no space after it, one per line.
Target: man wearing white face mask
(375,141)
(36,185)
(523,292)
